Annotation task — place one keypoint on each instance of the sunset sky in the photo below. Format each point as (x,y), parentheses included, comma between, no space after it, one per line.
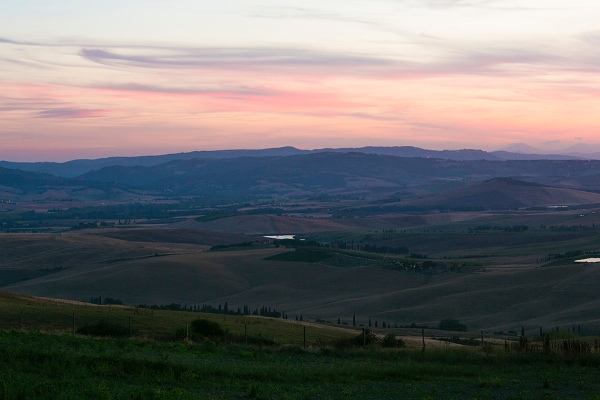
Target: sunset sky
(88,79)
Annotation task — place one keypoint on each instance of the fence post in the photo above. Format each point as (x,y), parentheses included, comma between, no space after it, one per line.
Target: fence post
(305,337)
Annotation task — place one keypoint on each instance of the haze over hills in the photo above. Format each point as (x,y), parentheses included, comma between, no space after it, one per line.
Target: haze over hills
(78,167)
(524,151)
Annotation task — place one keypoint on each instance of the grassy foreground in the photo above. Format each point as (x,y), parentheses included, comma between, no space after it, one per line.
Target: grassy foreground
(55,316)
(44,366)
(41,359)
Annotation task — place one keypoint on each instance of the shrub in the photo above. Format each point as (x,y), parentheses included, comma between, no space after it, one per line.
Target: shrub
(104,328)
(206,328)
(110,300)
(367,338)
(391,341)
(450,324)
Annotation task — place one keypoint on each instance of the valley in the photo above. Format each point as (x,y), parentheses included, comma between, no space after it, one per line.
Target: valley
(379,238)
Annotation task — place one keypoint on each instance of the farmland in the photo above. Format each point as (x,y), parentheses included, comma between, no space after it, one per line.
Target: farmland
(155,364)
(41,366)
(481,270)
(393,246)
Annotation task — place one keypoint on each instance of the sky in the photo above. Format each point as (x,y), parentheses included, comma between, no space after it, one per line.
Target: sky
(89,79)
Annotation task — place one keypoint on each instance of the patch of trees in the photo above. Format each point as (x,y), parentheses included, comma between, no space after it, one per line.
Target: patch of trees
(371,248)
(568,254)
(120,211)
(263,311)
(383,209)
(302,255)
(107,301)
(510,228)
(451,324)
(295,243)
(370,339)
(418,256)
(572,228)
(516,228)
(93,225)
(215,216)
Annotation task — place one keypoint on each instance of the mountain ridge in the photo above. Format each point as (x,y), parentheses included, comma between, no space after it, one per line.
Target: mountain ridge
(73,168)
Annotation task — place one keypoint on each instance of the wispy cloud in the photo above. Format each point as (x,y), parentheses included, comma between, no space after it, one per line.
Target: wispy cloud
(9,41)
(500,58)
(214,89)
(70,113)
(491,61)
(237,58)
(374,117)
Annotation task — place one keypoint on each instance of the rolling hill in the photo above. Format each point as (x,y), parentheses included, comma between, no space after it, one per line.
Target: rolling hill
(506,193)
(315,174)
(501,298)
(323,172)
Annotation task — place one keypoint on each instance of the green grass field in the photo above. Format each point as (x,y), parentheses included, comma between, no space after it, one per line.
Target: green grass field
(42,366)
(32,314)
(40,358)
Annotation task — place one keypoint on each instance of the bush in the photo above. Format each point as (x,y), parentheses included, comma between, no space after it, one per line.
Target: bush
(367,338)
(104,328)
(110,300)
(370,339)
(391,341)
(206,328)
(450,324)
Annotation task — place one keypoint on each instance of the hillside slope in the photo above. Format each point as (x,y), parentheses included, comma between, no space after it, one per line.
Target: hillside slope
(500,298)
(506,193)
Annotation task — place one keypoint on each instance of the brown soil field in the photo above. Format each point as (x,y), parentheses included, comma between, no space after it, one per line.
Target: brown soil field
(512,292)
(506,193)
(283,224)
(190,236)
(265,225)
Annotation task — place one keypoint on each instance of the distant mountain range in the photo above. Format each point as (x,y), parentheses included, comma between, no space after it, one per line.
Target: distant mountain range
(75,168)
(341,173)
(582,150)
(323,172)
